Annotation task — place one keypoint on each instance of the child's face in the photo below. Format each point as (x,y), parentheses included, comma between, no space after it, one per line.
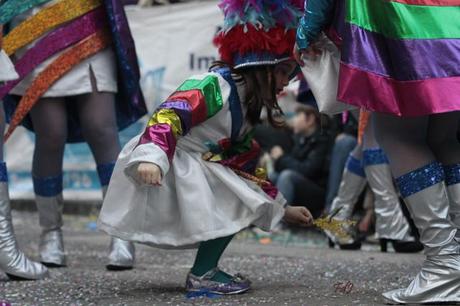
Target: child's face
(283,72)
(302,122)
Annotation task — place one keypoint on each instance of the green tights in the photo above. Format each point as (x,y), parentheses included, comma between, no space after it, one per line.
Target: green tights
(208,257)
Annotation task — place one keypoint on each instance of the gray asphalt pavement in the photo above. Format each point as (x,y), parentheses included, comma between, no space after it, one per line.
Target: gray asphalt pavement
(286,269)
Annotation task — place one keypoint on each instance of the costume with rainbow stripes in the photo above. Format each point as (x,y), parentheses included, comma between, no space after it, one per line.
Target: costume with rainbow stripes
(50,40)
(398,57)
(203,145)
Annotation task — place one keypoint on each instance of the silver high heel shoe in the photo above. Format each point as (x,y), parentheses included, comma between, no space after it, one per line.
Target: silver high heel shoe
(12,261)
(52,252)
(438,281)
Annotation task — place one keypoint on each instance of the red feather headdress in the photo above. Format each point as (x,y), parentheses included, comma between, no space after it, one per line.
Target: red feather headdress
(258,32)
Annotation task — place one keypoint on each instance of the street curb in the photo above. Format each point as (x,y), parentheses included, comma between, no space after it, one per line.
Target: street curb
(81,208)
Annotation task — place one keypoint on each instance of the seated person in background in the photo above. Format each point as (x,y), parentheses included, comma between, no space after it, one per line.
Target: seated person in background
(268,137)
(300,175)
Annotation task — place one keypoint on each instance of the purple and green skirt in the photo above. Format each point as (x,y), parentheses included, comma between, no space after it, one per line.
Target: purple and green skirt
(401,57)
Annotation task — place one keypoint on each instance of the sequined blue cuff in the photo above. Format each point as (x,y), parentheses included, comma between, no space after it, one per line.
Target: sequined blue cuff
(105,173)
(3,172)
(48,186)
(452,174)
(375,156)
(420,179)
(354,166)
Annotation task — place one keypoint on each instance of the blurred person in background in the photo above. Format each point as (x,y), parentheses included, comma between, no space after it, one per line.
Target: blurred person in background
(301,173)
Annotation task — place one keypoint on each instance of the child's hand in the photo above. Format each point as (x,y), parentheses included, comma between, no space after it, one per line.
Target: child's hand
(298,215)
(276,152)
(149,173)
(310,52)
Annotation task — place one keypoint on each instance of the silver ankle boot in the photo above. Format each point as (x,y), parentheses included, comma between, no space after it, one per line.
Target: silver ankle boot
(438,281)
(51,241)
(13,261)
(121,255)
(121,252)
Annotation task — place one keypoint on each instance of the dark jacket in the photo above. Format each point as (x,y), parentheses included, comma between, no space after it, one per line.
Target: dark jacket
(350,127)
(309,156)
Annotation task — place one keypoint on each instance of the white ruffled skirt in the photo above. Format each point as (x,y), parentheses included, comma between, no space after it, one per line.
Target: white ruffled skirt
(198,201)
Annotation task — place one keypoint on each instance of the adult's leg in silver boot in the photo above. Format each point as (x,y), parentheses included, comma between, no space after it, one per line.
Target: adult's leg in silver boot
(49,118)
(13,261)
(99,126)
(390,220)
(50,205)
(443,140)
(438,281)
(352,185)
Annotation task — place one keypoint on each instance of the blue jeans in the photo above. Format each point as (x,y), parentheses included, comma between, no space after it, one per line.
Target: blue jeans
(342,148)
(300,191)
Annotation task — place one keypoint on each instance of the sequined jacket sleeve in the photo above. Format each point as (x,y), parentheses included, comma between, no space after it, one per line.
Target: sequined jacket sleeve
(196,100)
(318,14)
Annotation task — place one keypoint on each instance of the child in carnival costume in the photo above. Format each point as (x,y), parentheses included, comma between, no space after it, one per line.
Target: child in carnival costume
(78,81)
(12,260)
(400,61)
(189,180)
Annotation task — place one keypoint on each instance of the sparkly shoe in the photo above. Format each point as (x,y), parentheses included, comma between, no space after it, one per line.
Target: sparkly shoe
(205,284)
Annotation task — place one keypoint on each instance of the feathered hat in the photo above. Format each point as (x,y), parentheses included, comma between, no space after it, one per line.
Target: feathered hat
(258,32)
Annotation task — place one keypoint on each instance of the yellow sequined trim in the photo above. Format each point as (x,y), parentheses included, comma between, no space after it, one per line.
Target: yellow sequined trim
(334,226)
(167,116)
(46,20)
(258,181)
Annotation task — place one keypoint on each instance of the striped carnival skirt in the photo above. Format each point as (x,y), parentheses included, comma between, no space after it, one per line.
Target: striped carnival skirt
(401,57)
(54,44)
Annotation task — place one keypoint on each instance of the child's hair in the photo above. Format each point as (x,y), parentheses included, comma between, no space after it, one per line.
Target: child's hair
(258,79)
